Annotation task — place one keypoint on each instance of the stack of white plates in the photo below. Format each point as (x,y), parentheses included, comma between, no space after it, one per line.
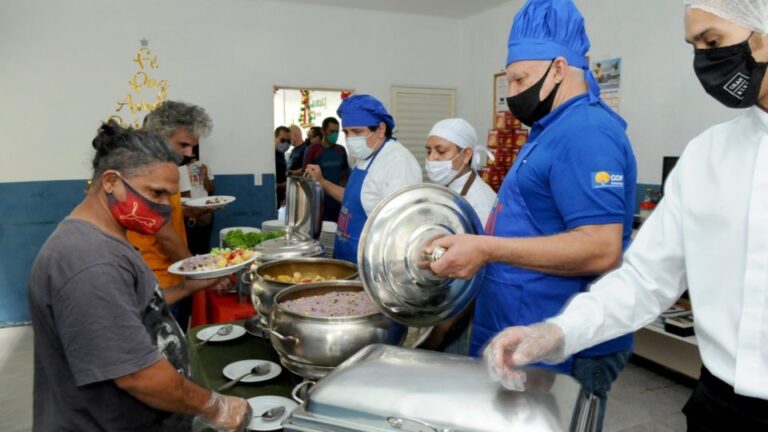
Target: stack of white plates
(272,225)
(328,237)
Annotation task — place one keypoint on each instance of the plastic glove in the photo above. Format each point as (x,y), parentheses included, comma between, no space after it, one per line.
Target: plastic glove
(225,413)
(519,346)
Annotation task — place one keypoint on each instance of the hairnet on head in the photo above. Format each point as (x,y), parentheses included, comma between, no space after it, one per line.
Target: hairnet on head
(462,134)
(752,14)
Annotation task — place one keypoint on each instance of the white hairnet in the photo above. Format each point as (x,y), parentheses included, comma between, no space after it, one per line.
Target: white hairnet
(461,133)
(752,14)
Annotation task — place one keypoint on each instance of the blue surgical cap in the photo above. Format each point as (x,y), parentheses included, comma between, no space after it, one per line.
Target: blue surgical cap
(547,29)
(363,110)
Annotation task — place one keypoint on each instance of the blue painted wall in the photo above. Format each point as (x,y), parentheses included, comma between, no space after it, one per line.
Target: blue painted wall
(31,211)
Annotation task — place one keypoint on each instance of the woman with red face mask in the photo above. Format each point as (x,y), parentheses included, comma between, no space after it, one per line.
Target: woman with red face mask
(108,353)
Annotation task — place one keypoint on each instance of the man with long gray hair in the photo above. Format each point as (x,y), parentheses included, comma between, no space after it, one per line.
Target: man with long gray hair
(182,125)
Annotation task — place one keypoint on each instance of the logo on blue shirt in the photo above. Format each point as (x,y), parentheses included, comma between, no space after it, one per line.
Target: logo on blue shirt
(606,179)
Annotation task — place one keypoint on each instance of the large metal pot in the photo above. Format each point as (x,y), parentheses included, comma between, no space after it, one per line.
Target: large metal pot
(325,342)
(263,291)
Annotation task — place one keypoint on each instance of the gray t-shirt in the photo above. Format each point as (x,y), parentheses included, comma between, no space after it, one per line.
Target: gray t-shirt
(98,314)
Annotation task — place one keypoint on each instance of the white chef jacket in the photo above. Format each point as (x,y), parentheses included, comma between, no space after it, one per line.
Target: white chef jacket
(480,196)
(709,235)
(393,169)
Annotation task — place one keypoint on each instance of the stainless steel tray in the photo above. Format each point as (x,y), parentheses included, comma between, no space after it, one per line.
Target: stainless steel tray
(385,388)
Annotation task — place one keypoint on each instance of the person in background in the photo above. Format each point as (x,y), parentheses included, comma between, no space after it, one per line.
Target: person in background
(109,356)
(383,166)
(453,160)
(197,183)
(332,160)
(296,160)
(565,209)
(182,125)
(708,236)
(314,137)
(296,156)
(282,144)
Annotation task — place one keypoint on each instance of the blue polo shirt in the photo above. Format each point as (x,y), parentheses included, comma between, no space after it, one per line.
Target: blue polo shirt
(582,172)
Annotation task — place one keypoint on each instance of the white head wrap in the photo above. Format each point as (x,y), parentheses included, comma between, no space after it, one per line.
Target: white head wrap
(752,14)
(461,133)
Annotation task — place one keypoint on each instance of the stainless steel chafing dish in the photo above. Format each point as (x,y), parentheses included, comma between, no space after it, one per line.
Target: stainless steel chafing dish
(303,224)
(264,289)
(386,388)
(312,346)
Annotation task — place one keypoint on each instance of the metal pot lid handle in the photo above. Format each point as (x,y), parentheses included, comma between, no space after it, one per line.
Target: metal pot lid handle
(413,425)
(394,268)
(437,253)
(296,392)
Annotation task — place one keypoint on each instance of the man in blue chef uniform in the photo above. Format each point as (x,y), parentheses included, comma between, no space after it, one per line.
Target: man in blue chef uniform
(564,212)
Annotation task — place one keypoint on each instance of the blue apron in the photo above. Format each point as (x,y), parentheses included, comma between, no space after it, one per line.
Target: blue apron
(511,296)
(352,217)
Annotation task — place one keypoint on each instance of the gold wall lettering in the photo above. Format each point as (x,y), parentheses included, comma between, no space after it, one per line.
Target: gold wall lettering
(135,101)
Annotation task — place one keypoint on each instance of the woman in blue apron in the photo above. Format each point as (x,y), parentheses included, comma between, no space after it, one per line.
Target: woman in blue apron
(384,166)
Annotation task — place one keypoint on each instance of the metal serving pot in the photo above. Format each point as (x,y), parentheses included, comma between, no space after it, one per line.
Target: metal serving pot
(263,291)
(322,343)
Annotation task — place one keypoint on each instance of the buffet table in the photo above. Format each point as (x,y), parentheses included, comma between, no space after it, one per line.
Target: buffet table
(209,360)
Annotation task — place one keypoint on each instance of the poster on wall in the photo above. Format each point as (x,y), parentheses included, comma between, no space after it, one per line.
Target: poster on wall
(608,75)
(500,91)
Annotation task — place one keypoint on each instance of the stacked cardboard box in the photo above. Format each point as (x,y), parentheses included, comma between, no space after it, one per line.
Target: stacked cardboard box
(504,141)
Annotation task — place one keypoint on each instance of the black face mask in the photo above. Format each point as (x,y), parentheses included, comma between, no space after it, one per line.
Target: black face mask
(527,107)
(730,74)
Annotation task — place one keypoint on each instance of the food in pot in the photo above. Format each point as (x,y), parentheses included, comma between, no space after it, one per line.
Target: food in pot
(298,278)
(218,259)
(332,304)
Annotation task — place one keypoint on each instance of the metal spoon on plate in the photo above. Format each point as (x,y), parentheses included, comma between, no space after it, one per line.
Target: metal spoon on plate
(222,331)
(258,370)
(272,414)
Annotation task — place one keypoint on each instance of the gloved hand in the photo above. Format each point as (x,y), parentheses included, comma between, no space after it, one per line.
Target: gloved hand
(519,346)
(225,413)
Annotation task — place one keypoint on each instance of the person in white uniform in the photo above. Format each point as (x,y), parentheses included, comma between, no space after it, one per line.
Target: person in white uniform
(383,167)
(453,160)
(709,235)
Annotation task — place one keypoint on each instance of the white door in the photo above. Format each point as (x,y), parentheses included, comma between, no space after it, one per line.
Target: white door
(415,111)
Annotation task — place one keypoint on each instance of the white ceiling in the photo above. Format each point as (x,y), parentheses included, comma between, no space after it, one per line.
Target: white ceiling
(445,8)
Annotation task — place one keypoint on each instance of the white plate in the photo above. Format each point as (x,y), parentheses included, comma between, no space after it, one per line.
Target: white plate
(175,268)
(272,225)
(238,368)
(207,332)
(201,202)
(260,404)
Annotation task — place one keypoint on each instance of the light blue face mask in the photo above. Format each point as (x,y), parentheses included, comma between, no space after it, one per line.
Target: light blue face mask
(358,147)
(283,146)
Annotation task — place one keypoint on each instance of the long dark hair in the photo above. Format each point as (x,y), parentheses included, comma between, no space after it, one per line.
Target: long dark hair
(128,150)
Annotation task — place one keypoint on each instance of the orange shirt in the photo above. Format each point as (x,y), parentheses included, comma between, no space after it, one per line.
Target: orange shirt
(152,250)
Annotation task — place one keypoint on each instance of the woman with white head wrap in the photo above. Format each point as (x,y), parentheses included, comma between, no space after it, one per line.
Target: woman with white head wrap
(453,159)
(708,236)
